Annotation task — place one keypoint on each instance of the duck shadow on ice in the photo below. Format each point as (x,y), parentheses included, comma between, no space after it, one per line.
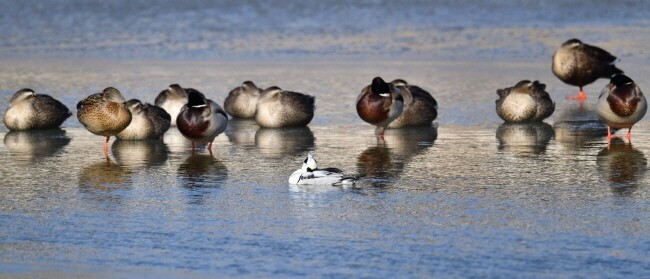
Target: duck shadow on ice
(579,126)
(622,166)
(524,138)
(32,145)
(134,154)
(103,180)
(383,163)
(200,174)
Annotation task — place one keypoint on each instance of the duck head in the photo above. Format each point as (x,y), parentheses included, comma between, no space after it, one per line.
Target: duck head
(113,95)
(135,106)
(22,95)
(248,87)
(176,91)
(310,162)
(572,43)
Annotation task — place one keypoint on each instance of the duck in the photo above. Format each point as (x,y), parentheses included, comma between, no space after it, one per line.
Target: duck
(525,102)
(579,64)
(420,112)
(278,108)
(104,114)
(172,100)
(379,104)
(309,174)
(242,101)
(201,119)
(621,104)
(28,110)
(147,122)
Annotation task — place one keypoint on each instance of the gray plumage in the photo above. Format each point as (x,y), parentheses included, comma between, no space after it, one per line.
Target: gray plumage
(278,108)
(28,110)
(172,100)
(147,122)
(421,111)
(525,102)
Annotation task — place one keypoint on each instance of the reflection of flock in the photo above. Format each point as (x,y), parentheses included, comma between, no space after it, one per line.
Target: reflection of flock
(390,106)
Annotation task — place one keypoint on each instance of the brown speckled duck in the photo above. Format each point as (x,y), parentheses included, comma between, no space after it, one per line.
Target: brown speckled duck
(104,114)
(147,122)
(525,102)
(579,64)
(28,110)
(278,108)
(242,101)
(172,100)
(379,104)
(201,119)
(621,104)
(419,112)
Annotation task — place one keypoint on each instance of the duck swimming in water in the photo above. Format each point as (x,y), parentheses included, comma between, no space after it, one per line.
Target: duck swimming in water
(419,112)
(242,101)
(104,114)
(579,64)
(309,174)
(525,102)
(28,110)
(172,100)
(201,119)
(379,104)
(278,108)
(621,104)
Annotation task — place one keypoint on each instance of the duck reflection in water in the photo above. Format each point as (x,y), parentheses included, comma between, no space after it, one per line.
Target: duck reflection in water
(101,180)
(200,174)
(578,126)
(622,166)
(241,132)
(524,138)
(385,162)
(140,153)
(283,142)
(32,145)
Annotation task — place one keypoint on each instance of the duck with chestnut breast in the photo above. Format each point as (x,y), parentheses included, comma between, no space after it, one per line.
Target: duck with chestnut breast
(201,119)
(379,104)
(621,104)
(147,122)
(278,108)
(172,100)
(421,111)
(578,64)
(525,102)
(104,114)
(28,110)
(242,101)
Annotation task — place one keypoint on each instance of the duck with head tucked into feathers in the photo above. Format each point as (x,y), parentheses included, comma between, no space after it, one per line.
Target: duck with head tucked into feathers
(379,104)
(421,111)
(172,100)
(310,174)
(525,102)
(104,114)
(147,122)
(579,64)
(278,108)
(28,110)
(201,119)
(242,101)
(621,104)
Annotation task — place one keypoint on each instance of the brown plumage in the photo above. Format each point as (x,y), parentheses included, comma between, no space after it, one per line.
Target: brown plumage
(379,104)
(242,101)
(419,112)
(579,64)
(104,114)
(201,119)
(621,104)
(525,102)
(278,108)
(28,110)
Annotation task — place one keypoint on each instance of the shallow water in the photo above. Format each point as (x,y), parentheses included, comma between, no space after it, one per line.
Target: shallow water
(469,197)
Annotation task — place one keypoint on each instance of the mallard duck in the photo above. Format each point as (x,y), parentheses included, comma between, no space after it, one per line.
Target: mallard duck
(201,119)
(420,112)
(172,100)
(28,110)
(525,102)
(621,104)
(147,122)
(579,64)
(278,108)
(309,174)
(242,101)
(379,104)
(104,114)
